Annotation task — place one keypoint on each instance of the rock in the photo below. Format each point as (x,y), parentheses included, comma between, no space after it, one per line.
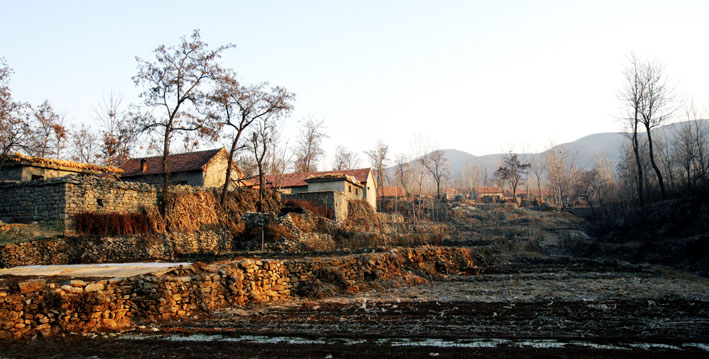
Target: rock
(32,285)
(94,287)
(77,283)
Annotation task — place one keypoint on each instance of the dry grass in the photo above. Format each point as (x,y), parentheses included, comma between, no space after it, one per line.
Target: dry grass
(310,207)
(111,224)
(188,212)
(20,232)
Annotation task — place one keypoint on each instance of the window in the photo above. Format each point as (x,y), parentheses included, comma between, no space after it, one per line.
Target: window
(357,191)
(37,177)
(99,201)
(349,188)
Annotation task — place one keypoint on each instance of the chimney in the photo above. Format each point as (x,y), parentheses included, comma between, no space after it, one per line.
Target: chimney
(143,165)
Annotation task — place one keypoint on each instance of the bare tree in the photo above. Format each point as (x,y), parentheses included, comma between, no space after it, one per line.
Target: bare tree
(512,171)
(14,118)
(118,130)
(345,159)
(175,86)
(561,173)
(48,132)
(632,95)
(309,149)
(261,144)
(437,165)
(648,98)
(84,145)
(403,173)
(237,107)
(655,110)
(378,157)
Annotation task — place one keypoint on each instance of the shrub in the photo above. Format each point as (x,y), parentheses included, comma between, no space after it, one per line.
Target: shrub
(111,224)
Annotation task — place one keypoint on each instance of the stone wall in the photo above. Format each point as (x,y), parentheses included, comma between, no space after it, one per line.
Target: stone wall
(58,199)
(33,201)
(50,306)
(74,250)
(337,201)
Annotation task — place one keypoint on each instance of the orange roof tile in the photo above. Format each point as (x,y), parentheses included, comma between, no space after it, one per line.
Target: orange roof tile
(181,162)
(391,192)
(484,190)
(298,179)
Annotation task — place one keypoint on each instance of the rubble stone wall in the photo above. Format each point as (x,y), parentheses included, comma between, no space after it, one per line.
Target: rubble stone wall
(74,250)
(27,202)
(44,307)
(337,201)
(58,199)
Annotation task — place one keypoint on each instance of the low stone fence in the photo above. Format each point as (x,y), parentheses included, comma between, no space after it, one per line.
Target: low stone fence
(73,250)
(49,306)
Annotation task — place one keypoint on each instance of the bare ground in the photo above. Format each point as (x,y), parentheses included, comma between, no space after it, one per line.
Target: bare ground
(530,307)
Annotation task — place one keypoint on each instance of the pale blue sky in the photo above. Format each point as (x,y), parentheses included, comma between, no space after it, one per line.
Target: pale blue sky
(477,76)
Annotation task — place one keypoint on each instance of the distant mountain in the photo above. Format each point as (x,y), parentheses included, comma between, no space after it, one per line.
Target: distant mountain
(585,151)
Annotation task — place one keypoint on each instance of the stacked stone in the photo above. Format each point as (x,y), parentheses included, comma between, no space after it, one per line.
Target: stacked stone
(64,250)
(40,307)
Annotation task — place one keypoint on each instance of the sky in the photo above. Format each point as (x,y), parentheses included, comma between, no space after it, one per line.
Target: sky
(478,76)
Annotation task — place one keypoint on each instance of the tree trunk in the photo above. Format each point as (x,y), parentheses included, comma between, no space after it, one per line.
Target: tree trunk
(225,188)
(165,171)
(638,163)
(654,165)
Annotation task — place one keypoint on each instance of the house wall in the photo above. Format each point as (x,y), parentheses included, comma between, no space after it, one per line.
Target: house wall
(25,173)
(350,190)
(336,200)
(57,200)
(215,173)
(192,178)
(298,189)
(370,191)
(28,202)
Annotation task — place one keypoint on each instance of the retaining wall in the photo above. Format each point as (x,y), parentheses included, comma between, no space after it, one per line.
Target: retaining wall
(49,306)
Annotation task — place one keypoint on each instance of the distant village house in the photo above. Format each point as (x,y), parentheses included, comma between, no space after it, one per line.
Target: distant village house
(199,169)
(21,168)
(319,182)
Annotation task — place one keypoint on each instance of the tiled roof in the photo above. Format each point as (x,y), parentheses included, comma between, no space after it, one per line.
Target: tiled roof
(484,190)
(298,179)
(391,192)
(181,162)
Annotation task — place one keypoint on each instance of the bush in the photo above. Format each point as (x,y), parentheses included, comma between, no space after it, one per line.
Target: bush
(111,224)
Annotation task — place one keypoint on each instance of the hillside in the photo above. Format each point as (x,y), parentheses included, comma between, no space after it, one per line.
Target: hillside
(584,151)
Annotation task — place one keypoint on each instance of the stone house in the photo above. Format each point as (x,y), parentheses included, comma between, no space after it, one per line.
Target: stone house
(198,169)
(492,194)
(348,185)
(21,168)
(391,192)
(296,182)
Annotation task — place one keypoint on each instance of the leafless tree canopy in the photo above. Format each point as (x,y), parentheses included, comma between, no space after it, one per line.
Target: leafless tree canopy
(15,128)
(513,171)
(176,86)
(236,107)
(345,159)
(118,131)
(49,135)
(648,99)
(378,157)
(309,148)
(437,165)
